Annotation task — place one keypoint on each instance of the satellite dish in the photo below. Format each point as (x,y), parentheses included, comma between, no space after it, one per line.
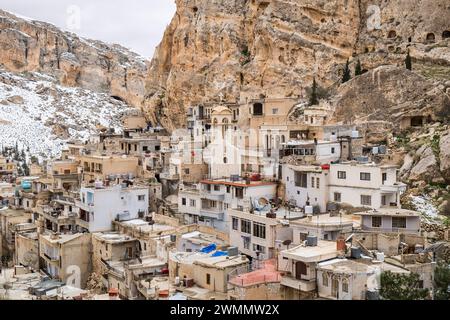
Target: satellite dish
(287,243)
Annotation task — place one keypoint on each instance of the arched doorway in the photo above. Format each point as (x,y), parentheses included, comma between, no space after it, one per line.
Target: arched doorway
(445,34)
(431,38)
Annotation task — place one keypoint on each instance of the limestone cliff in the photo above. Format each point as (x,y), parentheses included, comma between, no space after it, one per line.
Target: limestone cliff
(35,46)
(245,48)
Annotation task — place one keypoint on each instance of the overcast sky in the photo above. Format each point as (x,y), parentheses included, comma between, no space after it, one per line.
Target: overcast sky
(135,24)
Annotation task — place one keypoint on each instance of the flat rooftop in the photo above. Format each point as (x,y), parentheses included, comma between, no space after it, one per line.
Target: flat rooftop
(324,220)
(240,183)
(62,238)
(324,250)
(113,237)
(222,262)
(395,212)
(145,227)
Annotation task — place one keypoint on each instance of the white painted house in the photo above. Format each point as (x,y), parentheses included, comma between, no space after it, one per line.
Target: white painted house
(365,185)
(100,206)
(208,202)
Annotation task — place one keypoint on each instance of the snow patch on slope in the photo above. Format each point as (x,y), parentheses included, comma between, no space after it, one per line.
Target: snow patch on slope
(51,115)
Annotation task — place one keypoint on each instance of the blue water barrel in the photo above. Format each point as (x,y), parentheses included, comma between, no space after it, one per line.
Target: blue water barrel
(26,185)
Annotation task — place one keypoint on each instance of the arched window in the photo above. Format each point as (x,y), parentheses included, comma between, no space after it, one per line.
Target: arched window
(392,34)
(325,279)
(431,37)
(345,285)
(215,121)
(283,139)
(225,121)
(225,160)
(445,34)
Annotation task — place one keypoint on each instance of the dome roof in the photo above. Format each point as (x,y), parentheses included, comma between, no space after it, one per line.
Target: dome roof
(221,110)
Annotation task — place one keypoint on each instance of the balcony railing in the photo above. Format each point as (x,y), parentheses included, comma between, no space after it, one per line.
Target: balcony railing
(302,285)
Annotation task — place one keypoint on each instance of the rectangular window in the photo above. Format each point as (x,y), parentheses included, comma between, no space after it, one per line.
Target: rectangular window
(366,200)
(208,278)
(141,197)
(228,189)
(259,230)
(183,201)
(342,175)
(186,171)
(364,176)
(301,180)
(257,247)
(216,188)
(318,183)
(235,223)
(246,226)
(337,197)
(376,222)
(313,185)
(246,243)
(275,111)
(333,150)
(192,203)
(240,193)
(399,222)
(384,177)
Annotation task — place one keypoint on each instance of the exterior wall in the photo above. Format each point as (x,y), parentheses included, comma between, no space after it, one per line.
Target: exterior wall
(76,253)
(265,291)
(109,166)
(412,224)
(356,286)
(27,252)
(274,231)
(317,196)
(218,280)
(108,203)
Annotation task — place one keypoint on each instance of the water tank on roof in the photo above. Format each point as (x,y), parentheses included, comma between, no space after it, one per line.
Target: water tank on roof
(382,149)
(98,184)
(233,251)
(26,185)
(309,210)
(311,241)
(356,252)
(355,134)
(375,150)
(333,138)
(380,256)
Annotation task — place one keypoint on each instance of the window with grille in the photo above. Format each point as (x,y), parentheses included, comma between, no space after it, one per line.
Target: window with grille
(376,222)
(342,175)
(301,180)
(345,285)
(364,176)
(246,226)
(366,200)
(259,230)
(337,197)
(399,222)
(325,279)
(235,223)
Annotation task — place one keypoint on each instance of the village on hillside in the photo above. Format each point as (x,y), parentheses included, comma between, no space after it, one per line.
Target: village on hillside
(259,200)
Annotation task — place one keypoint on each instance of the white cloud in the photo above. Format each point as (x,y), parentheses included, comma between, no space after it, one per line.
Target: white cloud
(135,24)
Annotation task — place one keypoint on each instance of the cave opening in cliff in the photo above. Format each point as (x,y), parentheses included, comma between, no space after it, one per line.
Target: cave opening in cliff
(417,121)
(445,34)
(258,109)
(118,98)
(431,38)
(392,34)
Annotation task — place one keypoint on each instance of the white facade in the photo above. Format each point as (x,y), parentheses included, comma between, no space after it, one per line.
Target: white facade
(100,207)
(252,233)
(306,184)
(365,185)
(208,202)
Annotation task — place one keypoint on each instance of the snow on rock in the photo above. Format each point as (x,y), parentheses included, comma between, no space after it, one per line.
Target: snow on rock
(424,206)
(51,114)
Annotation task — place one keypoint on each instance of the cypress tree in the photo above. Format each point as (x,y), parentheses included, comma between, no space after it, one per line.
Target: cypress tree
(313,99)
(347,75)
(408,61)
(358,68)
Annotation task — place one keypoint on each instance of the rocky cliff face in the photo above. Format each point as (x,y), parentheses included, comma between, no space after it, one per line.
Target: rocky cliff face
(245,48)
(35,46)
